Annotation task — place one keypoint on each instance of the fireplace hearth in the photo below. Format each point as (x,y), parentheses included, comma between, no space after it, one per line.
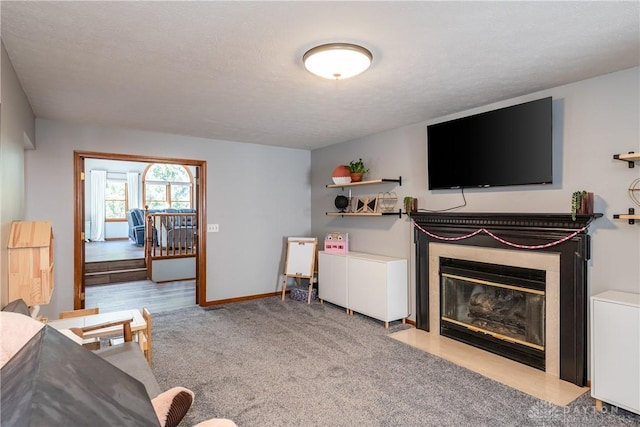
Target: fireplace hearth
(563,351)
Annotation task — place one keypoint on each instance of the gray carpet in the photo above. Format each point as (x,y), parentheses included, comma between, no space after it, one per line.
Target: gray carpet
(272,363)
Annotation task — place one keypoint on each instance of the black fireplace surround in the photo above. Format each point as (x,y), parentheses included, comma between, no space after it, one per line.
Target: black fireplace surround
(529,229)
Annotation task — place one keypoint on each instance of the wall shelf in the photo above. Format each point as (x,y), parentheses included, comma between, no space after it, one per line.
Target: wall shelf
(361,183)
(398,212)
(629,157)
(631,216)
(370,182)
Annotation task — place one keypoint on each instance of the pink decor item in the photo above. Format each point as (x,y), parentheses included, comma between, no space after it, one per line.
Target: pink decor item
(336,243)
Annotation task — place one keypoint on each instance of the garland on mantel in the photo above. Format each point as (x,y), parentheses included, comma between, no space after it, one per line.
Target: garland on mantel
(499,239)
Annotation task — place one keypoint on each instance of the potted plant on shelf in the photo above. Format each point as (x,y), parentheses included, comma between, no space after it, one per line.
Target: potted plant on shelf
(357,170)
(581,203)
(410,204)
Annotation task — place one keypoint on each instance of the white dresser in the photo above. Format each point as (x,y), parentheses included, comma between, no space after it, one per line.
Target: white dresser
(615,349)
(373,285)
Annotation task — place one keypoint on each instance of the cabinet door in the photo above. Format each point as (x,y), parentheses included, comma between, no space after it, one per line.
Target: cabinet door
(397,292)
(367,287)
(616,352)
(332,278)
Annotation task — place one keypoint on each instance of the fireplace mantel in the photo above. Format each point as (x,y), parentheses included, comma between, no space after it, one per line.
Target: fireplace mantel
(500,220)
(531,229)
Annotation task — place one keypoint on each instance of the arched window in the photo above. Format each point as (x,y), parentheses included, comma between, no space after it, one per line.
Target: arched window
(167,186)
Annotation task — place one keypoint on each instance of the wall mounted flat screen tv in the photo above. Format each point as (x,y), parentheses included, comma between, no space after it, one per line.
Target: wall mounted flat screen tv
(508,146)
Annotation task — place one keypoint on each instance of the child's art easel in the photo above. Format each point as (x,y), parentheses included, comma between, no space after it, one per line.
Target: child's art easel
(300,263)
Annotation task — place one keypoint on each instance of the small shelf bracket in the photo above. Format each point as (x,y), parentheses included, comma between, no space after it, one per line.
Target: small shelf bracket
(399,180)
(631,213)
(631,163)
(399,213)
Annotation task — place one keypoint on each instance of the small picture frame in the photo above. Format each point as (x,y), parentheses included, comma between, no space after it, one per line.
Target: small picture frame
(366,205)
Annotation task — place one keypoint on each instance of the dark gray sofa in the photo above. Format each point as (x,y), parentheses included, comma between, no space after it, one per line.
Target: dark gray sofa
(176,231)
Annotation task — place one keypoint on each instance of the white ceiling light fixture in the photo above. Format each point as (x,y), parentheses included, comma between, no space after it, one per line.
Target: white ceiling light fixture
(337,60)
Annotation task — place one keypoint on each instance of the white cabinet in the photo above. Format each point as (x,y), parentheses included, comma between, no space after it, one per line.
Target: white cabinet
(332,278)
(615,349)
(373,285)
(366,283)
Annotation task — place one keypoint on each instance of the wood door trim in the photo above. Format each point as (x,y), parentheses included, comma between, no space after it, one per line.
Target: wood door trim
(78,165)
(78,241)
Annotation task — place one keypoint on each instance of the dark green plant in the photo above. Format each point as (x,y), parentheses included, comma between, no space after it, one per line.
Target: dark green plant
(408,204)
(357,167)
(576,202)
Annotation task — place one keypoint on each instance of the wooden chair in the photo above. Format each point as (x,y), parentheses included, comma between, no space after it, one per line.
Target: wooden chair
(146,336)
(126,329)
(78,313)
(145,342)
(92,343)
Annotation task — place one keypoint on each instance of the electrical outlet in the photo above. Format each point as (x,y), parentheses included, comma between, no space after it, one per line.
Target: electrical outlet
(213,228)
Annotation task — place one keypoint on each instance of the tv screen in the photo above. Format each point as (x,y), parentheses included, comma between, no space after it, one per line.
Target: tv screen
(508,146)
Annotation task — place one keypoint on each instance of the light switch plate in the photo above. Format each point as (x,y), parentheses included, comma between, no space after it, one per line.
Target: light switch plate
(213,228)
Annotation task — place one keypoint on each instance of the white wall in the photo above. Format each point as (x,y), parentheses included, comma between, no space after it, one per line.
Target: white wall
(593,119)
(399,152)
(17,132)
(258,194)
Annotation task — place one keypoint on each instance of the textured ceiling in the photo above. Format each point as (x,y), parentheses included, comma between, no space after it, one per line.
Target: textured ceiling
(233,70)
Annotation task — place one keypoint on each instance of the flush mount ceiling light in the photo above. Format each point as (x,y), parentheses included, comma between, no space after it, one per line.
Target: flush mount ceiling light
(337,60)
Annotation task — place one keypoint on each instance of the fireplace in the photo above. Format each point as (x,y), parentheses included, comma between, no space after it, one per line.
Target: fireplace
(499,246)
(495,307)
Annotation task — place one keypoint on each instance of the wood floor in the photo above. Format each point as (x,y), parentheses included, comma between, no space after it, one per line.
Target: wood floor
(112,250)
(157,297)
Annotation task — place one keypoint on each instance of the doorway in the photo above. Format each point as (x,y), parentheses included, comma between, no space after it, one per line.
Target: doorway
(80,220)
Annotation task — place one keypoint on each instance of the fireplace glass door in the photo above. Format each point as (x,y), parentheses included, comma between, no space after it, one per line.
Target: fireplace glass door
(497,308)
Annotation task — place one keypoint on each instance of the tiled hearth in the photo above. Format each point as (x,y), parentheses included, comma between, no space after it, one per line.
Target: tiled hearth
(548,262)
(513,374)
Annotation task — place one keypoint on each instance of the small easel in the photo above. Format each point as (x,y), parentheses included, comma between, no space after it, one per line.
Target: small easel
(300,263)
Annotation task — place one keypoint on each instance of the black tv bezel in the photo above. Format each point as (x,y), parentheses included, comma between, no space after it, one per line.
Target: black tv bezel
(548,100)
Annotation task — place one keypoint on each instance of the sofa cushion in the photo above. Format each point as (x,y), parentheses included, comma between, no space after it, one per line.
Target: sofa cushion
(188,221)
(137,217)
